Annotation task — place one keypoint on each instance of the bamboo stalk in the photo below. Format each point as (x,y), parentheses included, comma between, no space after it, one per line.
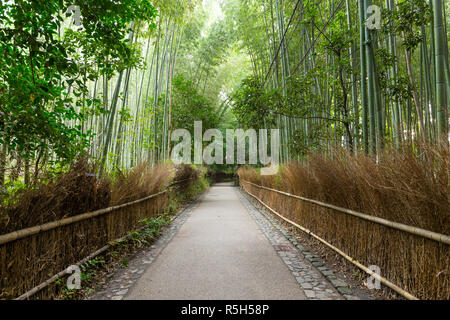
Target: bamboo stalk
(383,280)
(441,238)
(363,81)
(371,94)
(439,56)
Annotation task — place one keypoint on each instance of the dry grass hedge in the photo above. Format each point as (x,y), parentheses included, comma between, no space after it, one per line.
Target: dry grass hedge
(409,187)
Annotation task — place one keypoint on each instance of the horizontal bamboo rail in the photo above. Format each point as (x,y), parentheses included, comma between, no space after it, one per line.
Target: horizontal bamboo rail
(16,235)
(442,238)
(383,280)
(178,182)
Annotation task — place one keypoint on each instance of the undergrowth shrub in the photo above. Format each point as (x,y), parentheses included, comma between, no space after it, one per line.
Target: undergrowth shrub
(194,182)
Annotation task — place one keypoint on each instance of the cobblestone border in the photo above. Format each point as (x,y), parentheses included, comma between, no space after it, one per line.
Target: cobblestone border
(118,282)
(317,280)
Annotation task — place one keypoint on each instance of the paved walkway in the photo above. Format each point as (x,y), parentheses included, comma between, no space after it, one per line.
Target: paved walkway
(222,247)
(219,253)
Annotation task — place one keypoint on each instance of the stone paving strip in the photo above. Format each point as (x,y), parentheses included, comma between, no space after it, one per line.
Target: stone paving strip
(318,281)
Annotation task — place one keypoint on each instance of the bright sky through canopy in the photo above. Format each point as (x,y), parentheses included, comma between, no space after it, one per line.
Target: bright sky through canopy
(212,7)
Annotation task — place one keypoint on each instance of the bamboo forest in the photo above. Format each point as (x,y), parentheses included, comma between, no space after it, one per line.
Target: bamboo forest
(116,116)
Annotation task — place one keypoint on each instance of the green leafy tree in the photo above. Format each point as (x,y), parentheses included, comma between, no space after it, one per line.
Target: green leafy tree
(42,72)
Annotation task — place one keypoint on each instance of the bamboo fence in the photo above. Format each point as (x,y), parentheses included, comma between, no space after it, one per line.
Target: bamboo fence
(414,262)
(31,257)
